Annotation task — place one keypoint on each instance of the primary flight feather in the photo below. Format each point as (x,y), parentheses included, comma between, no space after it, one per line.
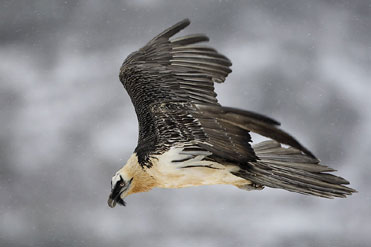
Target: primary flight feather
(186,138)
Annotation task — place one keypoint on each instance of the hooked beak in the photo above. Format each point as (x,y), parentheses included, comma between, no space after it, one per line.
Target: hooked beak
(115,196)
(111,201)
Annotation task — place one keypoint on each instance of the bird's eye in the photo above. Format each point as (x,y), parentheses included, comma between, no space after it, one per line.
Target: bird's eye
(122,184)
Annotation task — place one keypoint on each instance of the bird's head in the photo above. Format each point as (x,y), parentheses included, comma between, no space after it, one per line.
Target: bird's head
(120,188)
(131,178)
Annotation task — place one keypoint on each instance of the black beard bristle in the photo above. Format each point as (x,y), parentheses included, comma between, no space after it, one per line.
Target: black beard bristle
(121,202)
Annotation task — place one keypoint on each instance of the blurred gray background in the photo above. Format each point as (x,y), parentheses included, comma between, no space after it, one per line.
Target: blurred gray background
(67,125)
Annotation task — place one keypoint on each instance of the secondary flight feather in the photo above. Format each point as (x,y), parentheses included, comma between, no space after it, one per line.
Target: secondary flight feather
(186,138)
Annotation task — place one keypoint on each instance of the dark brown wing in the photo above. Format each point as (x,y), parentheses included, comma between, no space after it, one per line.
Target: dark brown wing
(175,70)
(171,84)
(165,79)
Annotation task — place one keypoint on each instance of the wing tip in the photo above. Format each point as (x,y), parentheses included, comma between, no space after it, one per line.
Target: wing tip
(169,32)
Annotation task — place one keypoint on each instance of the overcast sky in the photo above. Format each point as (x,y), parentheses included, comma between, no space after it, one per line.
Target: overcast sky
(67,124)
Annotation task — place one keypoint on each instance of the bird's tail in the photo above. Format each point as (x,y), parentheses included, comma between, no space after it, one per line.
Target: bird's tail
(293,170)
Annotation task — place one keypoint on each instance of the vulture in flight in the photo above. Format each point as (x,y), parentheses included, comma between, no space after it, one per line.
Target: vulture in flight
(186,138)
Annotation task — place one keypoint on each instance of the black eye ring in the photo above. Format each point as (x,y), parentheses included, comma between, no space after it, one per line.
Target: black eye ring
(122,182)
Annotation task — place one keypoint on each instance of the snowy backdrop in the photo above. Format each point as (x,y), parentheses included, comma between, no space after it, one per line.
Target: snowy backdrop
(67,125)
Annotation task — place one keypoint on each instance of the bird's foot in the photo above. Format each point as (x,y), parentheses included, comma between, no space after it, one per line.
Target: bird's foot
(252,186)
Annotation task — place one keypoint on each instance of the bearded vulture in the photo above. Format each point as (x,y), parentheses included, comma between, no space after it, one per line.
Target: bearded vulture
(186,138)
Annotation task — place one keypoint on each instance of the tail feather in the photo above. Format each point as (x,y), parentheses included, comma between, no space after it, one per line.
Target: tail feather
(292,170)
(268,163)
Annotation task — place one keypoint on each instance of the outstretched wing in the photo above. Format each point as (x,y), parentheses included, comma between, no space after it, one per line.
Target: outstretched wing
(174,70)
(165,80)
(171,84)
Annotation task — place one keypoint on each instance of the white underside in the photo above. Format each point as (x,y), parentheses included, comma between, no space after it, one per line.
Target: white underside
(169,174)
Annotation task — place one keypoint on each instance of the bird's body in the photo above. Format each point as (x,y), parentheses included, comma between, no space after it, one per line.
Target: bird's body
(167,172)
(186,138)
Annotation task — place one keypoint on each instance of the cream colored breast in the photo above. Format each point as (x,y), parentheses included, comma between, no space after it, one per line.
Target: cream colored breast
(190,170)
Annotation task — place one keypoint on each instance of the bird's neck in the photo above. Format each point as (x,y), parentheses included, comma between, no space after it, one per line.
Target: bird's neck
(142,181)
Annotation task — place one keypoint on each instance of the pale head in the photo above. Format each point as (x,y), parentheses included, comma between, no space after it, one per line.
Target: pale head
(131,178)
(120,187)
